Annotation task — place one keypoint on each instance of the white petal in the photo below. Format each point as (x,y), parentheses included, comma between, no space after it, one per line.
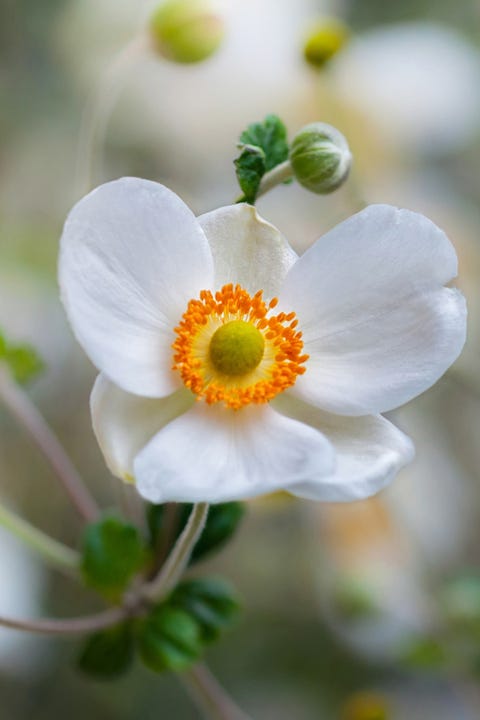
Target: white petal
(132,255)
(215,454)
(125,423)
(376,321)
(247,249)
(370,451)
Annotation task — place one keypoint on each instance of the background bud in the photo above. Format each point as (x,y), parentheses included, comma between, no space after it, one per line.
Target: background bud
(186,31)
(325,39)
(320,158)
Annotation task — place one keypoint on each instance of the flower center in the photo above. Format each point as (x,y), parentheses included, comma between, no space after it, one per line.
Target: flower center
(236,348)
(230,348)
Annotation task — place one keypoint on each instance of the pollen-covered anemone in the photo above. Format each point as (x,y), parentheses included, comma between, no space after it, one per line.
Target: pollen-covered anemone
(230,367)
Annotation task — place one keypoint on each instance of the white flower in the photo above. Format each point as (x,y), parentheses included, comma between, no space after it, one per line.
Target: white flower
(162,301)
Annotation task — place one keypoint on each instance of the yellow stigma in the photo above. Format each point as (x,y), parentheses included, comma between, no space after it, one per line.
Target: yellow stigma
(230,348)
(236,348)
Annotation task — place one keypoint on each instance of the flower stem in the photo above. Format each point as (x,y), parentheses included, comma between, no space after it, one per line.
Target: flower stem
(98,110)
(177,561)
(275,177)
(42,435)
(72,626)
(209,695)
(54,552)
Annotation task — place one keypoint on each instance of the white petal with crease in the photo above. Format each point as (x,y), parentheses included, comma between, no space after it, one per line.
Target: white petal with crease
(132,256)
(214,454)
(247,249)
(370,451)
(376,321)
(124,423)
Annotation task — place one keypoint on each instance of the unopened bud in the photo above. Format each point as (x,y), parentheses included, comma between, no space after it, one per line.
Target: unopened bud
(320,158)
(325,39)
(186,31)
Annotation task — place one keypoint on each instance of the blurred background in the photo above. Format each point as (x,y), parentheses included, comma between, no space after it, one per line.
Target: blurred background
(361,612)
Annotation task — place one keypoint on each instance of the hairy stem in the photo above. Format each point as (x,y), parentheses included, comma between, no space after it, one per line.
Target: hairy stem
(275,177)
(54,552)
(43,436)
(72,626)
(209,695)
(178,559)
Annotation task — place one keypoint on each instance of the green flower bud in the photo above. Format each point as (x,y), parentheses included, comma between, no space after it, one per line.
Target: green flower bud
(324,40)
(186,31)
(320,158)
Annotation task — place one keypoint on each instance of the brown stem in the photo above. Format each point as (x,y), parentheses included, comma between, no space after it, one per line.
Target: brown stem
(72,626)
(209,695)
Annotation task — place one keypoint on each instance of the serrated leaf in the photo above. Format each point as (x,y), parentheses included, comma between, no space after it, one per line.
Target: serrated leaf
(211,601)
(250,168)
(109,653)
(169,639)
(112,553)
(222,522)
(271,136)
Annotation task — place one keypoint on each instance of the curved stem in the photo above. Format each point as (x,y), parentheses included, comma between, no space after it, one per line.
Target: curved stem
(97,113)
(275,177)
(43,436)
(209,695)
(54,552)
(73,626)
(178,559)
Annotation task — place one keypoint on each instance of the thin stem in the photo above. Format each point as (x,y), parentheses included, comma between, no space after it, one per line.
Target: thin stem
(43,436)
(209,695)
(54,552)
(72,626)
(275,177)
(178,559)
(98,110)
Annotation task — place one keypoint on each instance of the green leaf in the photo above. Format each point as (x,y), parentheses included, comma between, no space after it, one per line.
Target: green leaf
(424,653)
(250,168)
(271,136)
(112,553)
(210,601)
(109,653)
(24,362)
(222,522)
(169,639)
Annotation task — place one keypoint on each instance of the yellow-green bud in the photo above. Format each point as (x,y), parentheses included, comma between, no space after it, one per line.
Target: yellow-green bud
(325,39)
(320,158)
(186,31)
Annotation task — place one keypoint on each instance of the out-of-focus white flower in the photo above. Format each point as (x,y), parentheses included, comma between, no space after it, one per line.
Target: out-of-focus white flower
(174,309)
(419,82)
(21,580)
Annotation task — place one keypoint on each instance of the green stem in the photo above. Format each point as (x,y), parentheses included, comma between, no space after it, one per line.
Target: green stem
(209,695)
(27,414)
(275,177)
(54,552)
(178,559)
(72,626)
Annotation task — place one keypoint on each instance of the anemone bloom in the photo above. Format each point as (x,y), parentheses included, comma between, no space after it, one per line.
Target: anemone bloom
(230,367)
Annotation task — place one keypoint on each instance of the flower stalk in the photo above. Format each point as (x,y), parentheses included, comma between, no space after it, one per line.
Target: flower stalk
(274,177)
(209,695)
(55,553)
(72,626)
(178,559)
(43,436)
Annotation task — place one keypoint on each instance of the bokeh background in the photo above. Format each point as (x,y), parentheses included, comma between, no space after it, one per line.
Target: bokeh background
(379,599)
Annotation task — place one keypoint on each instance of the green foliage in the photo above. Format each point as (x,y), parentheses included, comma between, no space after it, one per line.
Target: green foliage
(263,146)
(169,639)
(109,653)
(210,601)
(22,360)
(424,653)
(112,553)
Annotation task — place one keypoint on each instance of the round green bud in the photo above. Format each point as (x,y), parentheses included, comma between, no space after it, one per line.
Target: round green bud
(236,348)
(320,158)
(325,39)
(186,31)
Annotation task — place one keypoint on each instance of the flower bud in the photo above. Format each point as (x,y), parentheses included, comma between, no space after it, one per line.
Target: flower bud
(320,158)
(325,39)
(186,31)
